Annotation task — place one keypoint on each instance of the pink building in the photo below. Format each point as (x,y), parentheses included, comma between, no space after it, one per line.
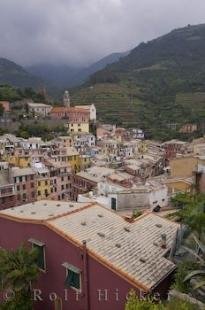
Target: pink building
(74,115)
(60,180)
(24,180)
(59,112)
(78,115)
(5,105)
(89,256)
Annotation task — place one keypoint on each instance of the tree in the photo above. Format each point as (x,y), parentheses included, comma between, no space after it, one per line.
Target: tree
(196,277)
(18,270)
(191,211)
(134,303)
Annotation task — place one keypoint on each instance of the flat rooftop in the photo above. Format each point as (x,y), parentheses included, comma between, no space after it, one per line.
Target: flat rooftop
(42,210)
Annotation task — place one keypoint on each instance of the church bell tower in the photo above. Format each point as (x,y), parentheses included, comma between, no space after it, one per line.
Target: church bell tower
(66,99)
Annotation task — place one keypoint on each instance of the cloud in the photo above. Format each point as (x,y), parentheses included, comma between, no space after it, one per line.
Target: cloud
(82,31)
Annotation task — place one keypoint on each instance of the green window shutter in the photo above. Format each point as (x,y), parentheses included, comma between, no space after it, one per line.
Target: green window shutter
(73,279)
(40,256)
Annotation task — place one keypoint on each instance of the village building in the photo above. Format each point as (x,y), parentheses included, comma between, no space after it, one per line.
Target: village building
(24,180)
(78,120)
(86,248)
(120,193)
(39,109)
(59,113)
(5,105)
(7,189)
(91,109)
(174,147)
(85,181)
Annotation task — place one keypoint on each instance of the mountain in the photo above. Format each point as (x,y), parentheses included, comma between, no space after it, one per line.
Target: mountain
(84,74)
(154,85)
(59,76)
(66,76)
(15,75)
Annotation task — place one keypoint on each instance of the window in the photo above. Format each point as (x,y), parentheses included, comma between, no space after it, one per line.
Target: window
(24,187)
(39,193)
(40,249)
(73,277)
(113,203)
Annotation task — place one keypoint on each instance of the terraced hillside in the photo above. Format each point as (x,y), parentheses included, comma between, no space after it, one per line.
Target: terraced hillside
(159,83)
(115,103)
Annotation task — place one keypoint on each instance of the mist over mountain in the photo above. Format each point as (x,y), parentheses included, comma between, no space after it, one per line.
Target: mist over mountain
(15,75)
(66,76)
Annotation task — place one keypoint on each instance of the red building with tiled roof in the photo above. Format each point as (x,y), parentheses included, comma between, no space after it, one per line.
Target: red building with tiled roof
(59,112)
(89,256)
(74,115)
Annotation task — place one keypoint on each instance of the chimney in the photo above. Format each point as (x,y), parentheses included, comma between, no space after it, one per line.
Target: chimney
(163,241)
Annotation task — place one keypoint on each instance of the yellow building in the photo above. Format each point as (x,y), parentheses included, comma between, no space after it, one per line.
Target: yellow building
(43,188)
(78,127)
(179,185)
(183,166)
(85,162)
(70,156)
(21,161)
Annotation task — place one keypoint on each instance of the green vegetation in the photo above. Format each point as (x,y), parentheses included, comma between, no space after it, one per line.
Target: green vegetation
(38,129)
(15,75)
(190,245)
(191,211)
(136,213)
(183,269)
(18,270)
(11,94)
(134,303)
(159,86)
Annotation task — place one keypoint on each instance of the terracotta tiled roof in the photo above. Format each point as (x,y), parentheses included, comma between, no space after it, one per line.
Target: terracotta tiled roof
(59,110)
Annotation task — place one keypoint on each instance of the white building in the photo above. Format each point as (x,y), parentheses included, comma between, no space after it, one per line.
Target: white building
(32,143)
(153,196)
(92,110)
(83,140)
(39,109)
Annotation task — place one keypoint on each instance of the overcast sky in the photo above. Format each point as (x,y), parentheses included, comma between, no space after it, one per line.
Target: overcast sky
(83,31)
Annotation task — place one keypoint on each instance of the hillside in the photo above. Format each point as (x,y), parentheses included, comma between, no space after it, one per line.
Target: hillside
(15,75)
(66,76)
(154,81)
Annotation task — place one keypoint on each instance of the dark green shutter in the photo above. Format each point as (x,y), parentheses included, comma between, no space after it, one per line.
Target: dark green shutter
(40,256)
(73,279)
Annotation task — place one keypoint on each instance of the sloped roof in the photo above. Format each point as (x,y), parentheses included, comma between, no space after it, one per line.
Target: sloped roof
(132,250)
